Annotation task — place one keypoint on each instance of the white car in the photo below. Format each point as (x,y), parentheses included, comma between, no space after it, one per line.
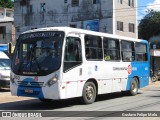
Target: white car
(4,70)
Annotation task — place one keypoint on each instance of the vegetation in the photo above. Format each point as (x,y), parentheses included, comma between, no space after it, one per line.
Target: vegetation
(149,26)
(6,3)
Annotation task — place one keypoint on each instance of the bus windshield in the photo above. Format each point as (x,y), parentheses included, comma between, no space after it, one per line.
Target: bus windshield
(38,53)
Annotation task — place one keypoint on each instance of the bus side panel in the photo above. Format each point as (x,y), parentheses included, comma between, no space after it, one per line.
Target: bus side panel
(141,71)
(73,82)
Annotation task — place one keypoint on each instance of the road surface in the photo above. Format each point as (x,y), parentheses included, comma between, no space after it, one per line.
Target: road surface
(148,99)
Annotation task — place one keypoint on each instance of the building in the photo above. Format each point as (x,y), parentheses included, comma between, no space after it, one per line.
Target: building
(110,16)
(7,31)
(155,55)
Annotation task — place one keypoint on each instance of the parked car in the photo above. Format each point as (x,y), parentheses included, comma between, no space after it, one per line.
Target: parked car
(5,68)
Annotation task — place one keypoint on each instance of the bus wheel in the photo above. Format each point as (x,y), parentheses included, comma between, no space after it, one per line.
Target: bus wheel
(45,100)
(134,87)
(89,93)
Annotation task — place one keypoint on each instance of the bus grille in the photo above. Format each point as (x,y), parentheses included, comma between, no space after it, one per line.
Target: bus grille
(30,84)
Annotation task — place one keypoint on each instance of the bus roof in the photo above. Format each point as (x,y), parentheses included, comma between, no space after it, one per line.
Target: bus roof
(82,31)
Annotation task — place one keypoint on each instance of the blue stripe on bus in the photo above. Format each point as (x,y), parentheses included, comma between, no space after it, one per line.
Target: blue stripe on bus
(141,71)
(35,91)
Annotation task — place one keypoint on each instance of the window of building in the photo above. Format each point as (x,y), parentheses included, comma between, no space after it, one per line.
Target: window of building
(120,1)
(65,1)
(141,52)
(31,8)
(8,14)
(2,32)
(111,49)
(18,29)
(93,47)
(95,1)
(131,3)
(73,25)
(127,51)
(1,13)
(131,27)
(75,3)
(119,26)
(42,7)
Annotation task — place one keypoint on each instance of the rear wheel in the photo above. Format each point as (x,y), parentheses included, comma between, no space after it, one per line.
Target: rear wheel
(89,93)
(134,87)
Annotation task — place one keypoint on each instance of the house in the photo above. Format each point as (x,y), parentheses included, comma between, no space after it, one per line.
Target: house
(7,31)
(155,55)
(110,16)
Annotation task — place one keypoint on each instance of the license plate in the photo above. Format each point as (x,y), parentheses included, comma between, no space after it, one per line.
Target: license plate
(28,91)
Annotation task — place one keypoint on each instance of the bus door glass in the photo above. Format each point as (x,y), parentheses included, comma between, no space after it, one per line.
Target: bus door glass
(73,53)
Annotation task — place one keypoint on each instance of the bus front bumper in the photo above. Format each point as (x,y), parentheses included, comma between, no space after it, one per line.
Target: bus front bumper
(37,92)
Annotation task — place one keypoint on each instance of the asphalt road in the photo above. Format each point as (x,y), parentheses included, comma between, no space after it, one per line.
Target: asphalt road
(110,105)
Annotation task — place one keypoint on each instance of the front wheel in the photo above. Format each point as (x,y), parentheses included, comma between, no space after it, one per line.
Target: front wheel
(134,87)
(89,93)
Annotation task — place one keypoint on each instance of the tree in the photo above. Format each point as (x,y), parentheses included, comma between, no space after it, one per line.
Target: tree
(6,3)
(150,25)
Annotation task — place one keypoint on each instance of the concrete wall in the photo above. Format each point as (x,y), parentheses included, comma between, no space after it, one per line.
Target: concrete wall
(6,21)
(126,14)
(58,13)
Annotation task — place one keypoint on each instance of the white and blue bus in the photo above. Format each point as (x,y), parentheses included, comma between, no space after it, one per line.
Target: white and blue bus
(62,62)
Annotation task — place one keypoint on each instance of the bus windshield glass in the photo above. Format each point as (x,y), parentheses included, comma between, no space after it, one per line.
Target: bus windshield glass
(38,53)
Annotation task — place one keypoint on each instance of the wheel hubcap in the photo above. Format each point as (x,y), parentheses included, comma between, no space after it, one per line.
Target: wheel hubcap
(89,92)
(134,87)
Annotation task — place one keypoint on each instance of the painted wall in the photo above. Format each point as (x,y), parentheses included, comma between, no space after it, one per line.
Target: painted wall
(46,13)
(6,22)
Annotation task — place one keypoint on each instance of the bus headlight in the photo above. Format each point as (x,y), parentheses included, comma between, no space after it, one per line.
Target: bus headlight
(52,81)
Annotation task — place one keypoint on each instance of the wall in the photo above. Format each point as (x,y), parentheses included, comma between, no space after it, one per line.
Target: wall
(126,14)
(7,23)
(58,13)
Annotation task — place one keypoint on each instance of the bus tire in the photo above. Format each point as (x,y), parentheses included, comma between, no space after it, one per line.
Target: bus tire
(133,87)
(89,93)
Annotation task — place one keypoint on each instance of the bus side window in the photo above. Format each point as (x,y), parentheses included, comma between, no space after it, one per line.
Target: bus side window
(111,49)
(128,52)
(73,53)
(93,48)
(141,52)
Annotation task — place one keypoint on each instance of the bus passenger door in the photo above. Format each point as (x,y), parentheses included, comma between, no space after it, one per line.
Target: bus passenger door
(72,69)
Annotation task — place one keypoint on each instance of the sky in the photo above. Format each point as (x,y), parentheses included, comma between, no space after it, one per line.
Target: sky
(144,5)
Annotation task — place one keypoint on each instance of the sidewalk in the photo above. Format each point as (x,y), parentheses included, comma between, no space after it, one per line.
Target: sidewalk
(5,96)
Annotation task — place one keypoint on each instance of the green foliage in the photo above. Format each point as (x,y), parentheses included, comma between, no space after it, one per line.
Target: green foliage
(150,25)
(6,3)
